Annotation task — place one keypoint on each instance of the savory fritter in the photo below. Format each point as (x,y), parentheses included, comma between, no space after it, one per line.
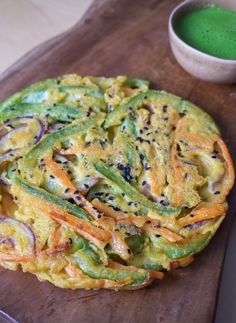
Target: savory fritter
(105,183)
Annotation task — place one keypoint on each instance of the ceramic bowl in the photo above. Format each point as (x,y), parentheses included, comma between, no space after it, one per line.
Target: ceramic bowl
(195,62)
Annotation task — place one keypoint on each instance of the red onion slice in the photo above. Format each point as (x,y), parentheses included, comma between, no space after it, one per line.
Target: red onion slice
(24,122)
(20,125)
(20,235)
(9,136)
(4,180)
(55,127)
(10,155)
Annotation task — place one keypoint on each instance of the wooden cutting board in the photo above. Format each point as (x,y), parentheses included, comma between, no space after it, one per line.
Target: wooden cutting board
(124,37)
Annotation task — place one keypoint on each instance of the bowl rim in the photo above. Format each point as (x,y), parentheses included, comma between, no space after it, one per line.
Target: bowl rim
(188,47)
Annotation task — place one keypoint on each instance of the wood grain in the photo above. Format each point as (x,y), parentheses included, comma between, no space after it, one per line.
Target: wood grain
(124,37)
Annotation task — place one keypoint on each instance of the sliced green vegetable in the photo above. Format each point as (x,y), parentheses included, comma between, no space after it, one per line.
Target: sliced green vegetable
(115,117)
(61,112)
(81,243)
(187,247)
(28,93)
(135,243)
(83,260)
(45,196)
(129,127)
(80,91)
(137,83)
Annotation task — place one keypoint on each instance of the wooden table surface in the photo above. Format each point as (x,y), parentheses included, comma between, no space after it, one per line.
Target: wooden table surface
(124,37)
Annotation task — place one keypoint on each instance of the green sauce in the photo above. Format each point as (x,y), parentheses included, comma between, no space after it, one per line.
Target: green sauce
(211,30)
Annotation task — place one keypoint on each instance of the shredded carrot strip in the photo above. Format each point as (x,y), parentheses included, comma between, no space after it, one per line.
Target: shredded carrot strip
(60,248)
(204,213)
(104,208)
(119,245)
(15,258)
(130,218)
(229,178)
(178,177)
(156,183)
(87,230)
(53,167)
(182,262)
(56,236)
(198,141)
(164,232)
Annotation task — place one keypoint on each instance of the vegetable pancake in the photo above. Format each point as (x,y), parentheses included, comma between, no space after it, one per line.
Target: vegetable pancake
(106,183)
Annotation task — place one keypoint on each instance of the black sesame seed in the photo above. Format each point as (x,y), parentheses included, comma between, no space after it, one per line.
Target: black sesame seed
(129,251)
(144,183)
(67,190)
(70,241)
(140,139)
(141,157)
(157,235)
(146,167)
(183,113)
(217,192)
(165,108)
(164,202)
(51,176)
(127,234)
(115,208)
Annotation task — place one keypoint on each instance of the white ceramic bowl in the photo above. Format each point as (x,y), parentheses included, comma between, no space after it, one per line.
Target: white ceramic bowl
(200,65)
